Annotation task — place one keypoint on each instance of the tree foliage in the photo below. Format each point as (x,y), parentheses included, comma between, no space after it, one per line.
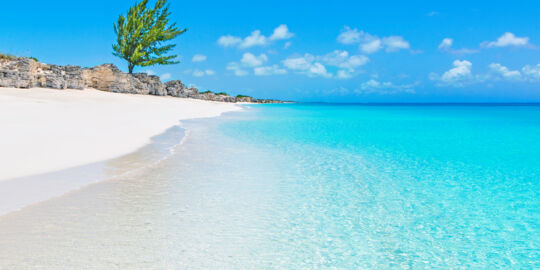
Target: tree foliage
(141,35)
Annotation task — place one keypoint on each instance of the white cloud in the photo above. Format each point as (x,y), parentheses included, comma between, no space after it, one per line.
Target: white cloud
(251,60)
(507,39)
(236,69)
(150,72)
(370,43)
(342,59)
(299,63)
(432,13)
(374,86)
(198,58)
(318,69)
(312,65)
(200,73)
(371,46)
(460,72)
(446,43)
(344,74)
(306,65)
(229,41)
(281,32)
(532,72)
(504,72)
(165,76)
(349,36)
(395,43)
(458,76)
(256,38)
(269,70)
(287,45)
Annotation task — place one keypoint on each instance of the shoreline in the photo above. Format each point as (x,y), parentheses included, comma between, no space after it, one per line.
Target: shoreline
(40,169)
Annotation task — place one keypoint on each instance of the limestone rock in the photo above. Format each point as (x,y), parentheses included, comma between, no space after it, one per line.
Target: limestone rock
(244,99)
(28,73)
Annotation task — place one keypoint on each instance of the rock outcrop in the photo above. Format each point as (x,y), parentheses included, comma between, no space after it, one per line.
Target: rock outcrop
(28,73)
(108,77)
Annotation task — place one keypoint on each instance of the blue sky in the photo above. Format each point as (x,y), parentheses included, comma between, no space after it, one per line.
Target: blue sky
(340,51)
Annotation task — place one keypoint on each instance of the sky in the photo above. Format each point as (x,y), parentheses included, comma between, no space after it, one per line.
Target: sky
(330,51)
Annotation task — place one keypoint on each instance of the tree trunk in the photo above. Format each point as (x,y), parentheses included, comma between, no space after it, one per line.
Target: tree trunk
(130,67)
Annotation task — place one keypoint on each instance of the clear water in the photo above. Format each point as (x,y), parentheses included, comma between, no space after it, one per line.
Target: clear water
(309,186)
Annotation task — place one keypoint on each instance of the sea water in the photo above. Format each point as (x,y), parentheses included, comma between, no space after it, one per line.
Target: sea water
(309,186)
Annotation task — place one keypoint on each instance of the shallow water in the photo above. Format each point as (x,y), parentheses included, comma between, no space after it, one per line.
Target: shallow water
(309,186)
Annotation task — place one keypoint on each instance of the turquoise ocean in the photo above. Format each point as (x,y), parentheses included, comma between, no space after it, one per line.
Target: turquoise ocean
(315,186)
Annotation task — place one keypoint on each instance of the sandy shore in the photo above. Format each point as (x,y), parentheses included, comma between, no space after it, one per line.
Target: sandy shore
(45,130)
(48,135)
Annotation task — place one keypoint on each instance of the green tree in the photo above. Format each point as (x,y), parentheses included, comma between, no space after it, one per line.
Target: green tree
(141,35)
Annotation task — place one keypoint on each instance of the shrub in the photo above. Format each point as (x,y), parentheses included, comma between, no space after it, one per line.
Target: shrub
(222,94)
(242,96)
(8,57)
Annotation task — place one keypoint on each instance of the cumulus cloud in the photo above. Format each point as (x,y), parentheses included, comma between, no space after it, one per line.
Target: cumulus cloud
(458,76)
(446,43)
(350,36)
(229,41)
(198,58)
(507,39)
(460,72)
(344,74)
(313,65)
(395,43)
(308,65)
(255,38)
(371,46)
(370,43)
(532,72)
(200,73)
(504,72)
(281,32)
(528,73)
(251,60)
(374,86)
(342,59)
(269,70)
(236,69)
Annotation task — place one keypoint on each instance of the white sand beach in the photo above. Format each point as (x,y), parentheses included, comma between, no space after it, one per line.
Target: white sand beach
(45,130)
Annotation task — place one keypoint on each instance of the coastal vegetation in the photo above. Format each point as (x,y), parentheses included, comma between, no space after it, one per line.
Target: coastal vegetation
(11,57)
(141,35)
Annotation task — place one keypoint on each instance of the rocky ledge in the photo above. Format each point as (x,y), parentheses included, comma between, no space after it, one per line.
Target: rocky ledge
(28,73)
